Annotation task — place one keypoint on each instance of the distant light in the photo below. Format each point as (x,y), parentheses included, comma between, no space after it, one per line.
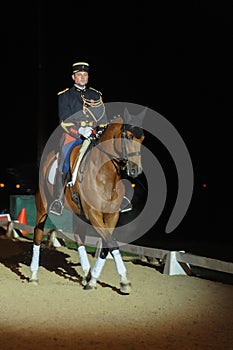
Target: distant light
(17,185)
(133,185)
(2,184)
(204,185)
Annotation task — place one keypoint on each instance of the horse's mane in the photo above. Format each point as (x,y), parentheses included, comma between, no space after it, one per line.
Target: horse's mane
(116,118)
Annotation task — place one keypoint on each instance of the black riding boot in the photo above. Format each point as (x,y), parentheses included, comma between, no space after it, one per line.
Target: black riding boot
(57,205)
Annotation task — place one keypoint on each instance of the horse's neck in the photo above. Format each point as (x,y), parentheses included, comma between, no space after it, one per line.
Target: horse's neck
(111,136)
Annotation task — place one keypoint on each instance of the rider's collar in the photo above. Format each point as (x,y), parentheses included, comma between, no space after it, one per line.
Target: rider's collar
(78,88)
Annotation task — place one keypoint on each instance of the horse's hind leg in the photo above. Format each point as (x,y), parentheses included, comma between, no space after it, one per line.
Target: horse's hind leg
(34,266)
(38,236)
(85,264)
(84,261)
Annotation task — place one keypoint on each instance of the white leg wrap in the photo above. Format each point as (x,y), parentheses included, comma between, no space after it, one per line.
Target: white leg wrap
(35,258)
(98,267)
(120,266)
(84,259)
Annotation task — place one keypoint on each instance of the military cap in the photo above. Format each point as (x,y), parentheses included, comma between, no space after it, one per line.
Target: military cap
(80,66)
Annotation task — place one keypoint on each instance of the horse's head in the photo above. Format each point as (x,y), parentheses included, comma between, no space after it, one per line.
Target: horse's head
(126,135)
(132,137)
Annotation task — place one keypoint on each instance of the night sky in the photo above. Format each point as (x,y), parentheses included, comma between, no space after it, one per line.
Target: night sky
(173,58)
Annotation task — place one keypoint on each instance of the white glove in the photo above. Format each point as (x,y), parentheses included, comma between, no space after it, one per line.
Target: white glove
(85,131)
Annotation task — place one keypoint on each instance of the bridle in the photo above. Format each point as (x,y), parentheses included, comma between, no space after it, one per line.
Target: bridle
(122,161)
(137,132)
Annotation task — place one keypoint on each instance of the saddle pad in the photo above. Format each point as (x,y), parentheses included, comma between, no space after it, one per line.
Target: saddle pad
(52,172)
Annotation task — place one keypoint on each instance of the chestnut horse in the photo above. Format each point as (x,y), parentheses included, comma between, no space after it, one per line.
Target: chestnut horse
(95,194)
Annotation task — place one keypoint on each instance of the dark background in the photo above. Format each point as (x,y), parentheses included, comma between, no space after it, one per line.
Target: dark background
(174,57)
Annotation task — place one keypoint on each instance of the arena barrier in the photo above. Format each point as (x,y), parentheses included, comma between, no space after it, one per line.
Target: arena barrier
(175,262)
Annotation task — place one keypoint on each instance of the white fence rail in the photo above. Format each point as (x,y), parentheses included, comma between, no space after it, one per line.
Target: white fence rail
(176,262)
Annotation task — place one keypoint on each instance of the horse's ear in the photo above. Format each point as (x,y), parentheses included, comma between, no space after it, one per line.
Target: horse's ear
(134,120)
(126,115)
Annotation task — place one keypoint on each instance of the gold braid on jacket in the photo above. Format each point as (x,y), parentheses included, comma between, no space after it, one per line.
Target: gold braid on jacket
(87,104)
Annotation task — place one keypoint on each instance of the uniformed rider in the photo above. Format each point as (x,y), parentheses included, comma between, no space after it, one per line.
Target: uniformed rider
(81,115)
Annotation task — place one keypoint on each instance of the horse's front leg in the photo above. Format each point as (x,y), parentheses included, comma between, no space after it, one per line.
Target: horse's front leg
(97,221)
(34,266)
(125,283)
(113,248)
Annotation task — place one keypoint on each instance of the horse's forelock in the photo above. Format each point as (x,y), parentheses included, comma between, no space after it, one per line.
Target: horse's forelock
(136,130)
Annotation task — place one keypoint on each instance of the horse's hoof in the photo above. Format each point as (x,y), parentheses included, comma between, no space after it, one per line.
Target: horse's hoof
(89,287)
(35,282)
(84,281)
(125,288)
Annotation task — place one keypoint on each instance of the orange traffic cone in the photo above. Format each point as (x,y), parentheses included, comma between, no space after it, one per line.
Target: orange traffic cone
(22,219)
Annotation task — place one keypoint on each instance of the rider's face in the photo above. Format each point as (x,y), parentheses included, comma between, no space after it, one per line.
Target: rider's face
(80,78)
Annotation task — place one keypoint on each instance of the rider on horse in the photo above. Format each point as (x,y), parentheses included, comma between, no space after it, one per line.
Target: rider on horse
(81,114)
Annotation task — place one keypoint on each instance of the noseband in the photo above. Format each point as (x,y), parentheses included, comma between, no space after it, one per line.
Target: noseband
(137,132)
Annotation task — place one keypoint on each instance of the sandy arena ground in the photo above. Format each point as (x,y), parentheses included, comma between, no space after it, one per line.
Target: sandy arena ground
(162,312)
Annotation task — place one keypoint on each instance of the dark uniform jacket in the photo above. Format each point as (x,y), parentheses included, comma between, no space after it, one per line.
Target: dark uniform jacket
(83,107)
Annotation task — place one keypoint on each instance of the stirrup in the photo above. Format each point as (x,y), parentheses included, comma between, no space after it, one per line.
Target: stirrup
(126,205)
(56,207)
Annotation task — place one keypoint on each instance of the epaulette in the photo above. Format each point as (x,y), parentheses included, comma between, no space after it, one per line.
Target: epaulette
(96,91)
(61,92)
